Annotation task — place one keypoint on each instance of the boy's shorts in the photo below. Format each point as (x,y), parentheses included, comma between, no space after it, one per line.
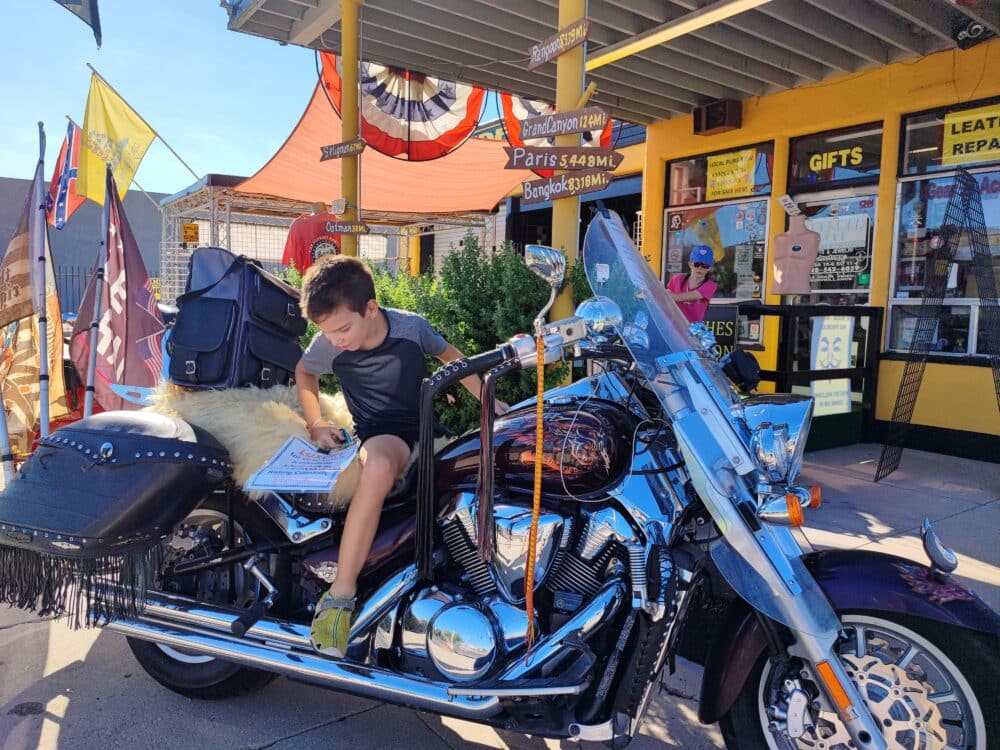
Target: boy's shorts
(407,433)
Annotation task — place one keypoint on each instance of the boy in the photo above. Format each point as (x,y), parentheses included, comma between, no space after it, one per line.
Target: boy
(378,355)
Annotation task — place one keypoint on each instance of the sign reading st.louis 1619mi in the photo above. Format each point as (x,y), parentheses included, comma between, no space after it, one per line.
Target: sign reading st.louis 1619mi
(561,157)
(564,123)
(565,185)
(340,150)
(563,40)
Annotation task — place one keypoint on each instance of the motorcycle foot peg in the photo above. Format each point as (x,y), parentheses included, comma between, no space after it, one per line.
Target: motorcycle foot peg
(248,619)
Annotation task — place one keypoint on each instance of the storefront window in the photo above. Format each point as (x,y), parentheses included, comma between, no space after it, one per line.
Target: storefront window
(722,176)
(841,274)
(945,139)
(735,231)
(921,209)
(835,159)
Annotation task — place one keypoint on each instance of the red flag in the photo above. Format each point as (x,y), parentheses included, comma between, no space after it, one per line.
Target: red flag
(128,340)
(63,199)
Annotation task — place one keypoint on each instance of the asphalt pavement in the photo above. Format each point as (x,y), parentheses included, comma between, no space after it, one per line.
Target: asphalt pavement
(83,690)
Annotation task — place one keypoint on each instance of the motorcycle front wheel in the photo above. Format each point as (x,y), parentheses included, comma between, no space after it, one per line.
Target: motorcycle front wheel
(929,686)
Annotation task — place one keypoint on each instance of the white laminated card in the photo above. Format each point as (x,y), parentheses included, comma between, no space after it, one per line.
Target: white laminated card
(299,466)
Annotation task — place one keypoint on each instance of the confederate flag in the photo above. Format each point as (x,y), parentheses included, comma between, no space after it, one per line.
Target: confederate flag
(63,199)
(128,340)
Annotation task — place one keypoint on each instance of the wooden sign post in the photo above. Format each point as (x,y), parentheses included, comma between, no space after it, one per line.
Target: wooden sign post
(562,157)
(339,150)
(347,227)
(564,123)
(565,39)
(565,185)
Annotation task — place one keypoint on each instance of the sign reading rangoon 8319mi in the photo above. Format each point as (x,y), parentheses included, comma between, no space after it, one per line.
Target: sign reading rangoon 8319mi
(565,185)
(564,39)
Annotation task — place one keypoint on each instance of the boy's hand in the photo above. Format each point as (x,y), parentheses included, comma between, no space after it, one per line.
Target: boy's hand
(500,408)
(325,436)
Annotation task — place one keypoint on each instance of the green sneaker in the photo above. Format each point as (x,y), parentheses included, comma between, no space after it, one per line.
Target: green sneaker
(331,625)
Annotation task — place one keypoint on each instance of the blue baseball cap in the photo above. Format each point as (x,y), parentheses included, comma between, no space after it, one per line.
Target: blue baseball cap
(702,254)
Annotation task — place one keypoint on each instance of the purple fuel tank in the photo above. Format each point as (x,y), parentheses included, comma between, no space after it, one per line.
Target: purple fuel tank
(587,448)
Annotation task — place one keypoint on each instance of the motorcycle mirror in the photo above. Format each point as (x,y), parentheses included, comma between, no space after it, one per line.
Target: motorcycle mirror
(546,262)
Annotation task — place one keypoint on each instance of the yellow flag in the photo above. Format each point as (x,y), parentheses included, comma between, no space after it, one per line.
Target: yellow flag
(112,132)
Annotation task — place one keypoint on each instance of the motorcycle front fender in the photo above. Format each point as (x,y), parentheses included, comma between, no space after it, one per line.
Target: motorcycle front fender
(853,580)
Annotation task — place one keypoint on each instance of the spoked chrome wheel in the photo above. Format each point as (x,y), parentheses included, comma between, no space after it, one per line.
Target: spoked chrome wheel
(916,694)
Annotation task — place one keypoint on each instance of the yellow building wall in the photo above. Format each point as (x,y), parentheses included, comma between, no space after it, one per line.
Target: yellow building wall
(886,94)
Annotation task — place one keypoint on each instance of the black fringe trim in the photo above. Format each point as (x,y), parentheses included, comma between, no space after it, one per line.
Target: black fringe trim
(88,592)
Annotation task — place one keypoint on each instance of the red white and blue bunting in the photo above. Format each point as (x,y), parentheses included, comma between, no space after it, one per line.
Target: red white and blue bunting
(404,114)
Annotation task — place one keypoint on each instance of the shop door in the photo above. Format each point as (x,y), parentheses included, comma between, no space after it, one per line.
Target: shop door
(841,277)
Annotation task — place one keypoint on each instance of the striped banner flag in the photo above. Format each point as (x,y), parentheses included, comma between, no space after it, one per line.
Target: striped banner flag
(63,199)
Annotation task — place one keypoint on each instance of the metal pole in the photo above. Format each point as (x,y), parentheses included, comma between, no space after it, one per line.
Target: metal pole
(88,402)
(349,34)
(38,277)
(8,457)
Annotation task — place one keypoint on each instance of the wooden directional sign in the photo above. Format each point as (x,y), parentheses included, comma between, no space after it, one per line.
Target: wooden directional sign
(564,123)
(565,185)
(338,150)
(347,227)
(561,157)
(564,39)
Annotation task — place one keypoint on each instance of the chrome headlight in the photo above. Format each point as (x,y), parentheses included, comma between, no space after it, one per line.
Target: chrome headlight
(601,315)
(779,427)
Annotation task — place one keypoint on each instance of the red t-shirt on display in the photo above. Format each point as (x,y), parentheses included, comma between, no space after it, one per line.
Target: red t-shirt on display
(309,240)
(693,311)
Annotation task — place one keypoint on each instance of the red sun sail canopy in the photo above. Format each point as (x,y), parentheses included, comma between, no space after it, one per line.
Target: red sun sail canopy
(471,178)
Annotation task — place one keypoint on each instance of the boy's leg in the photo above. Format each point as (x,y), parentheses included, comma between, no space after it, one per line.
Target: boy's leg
(382,458)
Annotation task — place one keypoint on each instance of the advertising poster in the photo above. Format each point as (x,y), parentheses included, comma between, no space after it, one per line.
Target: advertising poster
(730,175)
(971,135)
(831,350)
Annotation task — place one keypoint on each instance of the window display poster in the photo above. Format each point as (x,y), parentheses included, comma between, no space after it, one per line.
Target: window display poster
(971,135)
(843,251)
(830,349)
(730,175)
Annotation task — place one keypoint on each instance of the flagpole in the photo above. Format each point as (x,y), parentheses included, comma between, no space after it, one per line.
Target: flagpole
(88,402)
(8,457)
(40,293)
(169,147)
(134,181)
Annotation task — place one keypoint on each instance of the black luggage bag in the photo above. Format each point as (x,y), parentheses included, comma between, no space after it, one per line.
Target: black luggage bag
(236,325)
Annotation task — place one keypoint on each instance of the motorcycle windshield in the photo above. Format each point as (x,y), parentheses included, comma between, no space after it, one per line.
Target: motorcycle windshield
(653,327)
(689,383)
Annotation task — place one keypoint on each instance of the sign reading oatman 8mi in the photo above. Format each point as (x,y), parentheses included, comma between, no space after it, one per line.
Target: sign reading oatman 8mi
(565,185)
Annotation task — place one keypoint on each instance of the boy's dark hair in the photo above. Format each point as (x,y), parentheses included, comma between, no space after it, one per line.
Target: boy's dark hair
(335,281)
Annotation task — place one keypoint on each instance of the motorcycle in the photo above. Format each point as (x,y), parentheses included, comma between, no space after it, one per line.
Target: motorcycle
(667,524)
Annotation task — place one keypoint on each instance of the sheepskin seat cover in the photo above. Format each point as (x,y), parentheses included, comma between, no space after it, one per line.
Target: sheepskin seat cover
(253,423)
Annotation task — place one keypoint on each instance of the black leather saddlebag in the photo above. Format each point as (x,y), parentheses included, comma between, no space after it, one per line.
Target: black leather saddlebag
(85,513)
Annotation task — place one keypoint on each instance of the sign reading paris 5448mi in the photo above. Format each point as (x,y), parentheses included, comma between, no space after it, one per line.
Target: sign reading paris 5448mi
(972,135)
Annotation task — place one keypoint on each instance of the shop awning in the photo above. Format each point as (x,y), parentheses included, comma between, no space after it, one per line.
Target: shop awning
(471,178)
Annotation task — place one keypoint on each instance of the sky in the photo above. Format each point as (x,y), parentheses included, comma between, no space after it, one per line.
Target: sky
(224,101)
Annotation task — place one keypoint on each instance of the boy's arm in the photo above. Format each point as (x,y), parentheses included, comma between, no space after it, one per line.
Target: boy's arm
(473,383)
(307,386)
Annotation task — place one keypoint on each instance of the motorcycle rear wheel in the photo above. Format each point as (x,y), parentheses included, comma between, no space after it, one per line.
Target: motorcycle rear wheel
(197,675)
(930,686)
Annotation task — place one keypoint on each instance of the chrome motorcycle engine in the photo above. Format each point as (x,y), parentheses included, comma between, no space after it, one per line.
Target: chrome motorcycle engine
(459,632)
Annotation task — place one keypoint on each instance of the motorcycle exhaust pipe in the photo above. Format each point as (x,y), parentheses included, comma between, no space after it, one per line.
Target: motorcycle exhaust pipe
(348,677)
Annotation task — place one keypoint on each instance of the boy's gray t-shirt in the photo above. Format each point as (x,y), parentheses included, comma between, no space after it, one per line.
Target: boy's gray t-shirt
(381,385)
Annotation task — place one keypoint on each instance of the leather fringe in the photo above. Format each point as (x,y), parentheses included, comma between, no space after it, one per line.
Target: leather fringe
(424,554)
(87,592)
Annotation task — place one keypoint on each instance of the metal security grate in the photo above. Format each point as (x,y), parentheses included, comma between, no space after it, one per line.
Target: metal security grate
(964,211)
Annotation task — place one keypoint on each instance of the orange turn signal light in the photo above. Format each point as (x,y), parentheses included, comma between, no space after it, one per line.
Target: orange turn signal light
(834,689)
(815,496)
(795,515)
